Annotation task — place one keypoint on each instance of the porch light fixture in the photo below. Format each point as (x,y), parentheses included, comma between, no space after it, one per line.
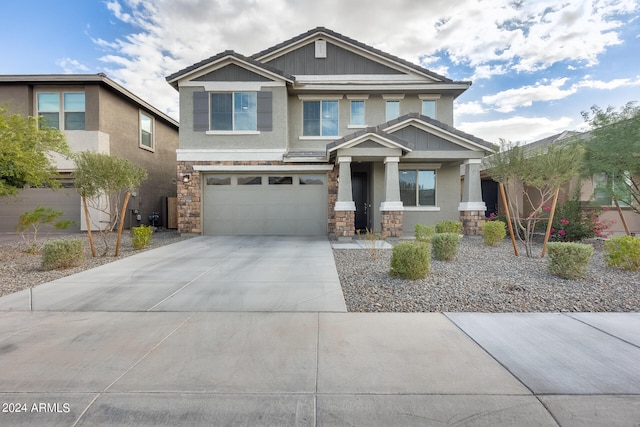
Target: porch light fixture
(186,178)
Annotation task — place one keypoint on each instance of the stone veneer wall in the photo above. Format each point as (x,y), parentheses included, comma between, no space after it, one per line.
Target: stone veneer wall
(392,223)
(344,223)
(332,198)
(472,222)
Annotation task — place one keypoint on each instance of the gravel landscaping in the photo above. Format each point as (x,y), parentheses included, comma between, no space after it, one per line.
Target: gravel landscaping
(484,279)
(481,279)
(20,270)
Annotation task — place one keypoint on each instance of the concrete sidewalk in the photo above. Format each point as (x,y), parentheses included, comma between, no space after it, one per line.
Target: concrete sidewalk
(325,369)
(171,356)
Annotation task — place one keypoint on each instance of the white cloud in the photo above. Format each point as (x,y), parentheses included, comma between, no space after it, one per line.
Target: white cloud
(518,129)
(508,100)
(489,37)
(72,66)
(469,108)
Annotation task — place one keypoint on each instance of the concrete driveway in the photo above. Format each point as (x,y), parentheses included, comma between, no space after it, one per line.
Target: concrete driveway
(222,273)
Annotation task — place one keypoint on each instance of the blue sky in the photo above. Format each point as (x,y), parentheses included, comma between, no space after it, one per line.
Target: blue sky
(535,64)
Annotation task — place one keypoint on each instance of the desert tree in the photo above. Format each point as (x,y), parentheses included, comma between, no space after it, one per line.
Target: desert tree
(105,184)
(26,153)
(526,172)
(613,152)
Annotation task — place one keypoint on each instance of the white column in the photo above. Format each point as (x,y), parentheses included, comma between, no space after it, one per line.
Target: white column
(345,195)
(391,185)
(472,189)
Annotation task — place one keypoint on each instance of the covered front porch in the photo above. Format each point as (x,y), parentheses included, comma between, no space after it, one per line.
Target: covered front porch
(383,185)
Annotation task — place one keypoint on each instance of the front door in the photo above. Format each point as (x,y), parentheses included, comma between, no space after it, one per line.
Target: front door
(359,189)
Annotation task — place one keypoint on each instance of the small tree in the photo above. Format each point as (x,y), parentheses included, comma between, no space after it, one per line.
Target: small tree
(614,150)
(546,171)
(25,153)
(105,183)
(31,222)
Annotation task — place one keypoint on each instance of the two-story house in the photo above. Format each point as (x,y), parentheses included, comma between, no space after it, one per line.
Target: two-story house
(96,114)
(321,134)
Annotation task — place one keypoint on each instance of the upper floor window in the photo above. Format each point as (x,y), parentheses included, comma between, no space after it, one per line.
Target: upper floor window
(418,187)
(64,111)
(146,131)
(233,111)
(392,109)
(429,108)
(357,113)
(320,118)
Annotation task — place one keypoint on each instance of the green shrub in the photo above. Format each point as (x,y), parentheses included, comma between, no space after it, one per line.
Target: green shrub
(623,252)
(141,236)
(411,260)
(493,232)
(30,223)
(445,246)
(423,232)
(449,226)
(569,260)
(62,254)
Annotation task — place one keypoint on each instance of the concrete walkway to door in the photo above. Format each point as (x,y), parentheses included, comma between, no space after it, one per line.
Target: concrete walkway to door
(221,273)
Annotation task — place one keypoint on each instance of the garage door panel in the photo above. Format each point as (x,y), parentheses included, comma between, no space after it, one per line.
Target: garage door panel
(285,209)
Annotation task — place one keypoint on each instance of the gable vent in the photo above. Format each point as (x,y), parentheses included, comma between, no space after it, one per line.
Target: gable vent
(321,48)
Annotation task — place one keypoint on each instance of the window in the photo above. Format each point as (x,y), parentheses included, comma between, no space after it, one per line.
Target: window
(357,113)
(429,108)
(280,180)
(418,187)
(393,110)
(312,179)
(218,180)
(234,111)
(146,131)
(249,180)
(604,186)
(72,111)
(320,118)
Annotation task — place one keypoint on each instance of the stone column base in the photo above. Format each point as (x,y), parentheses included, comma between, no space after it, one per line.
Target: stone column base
(391,223)
(345,223)
(472,222)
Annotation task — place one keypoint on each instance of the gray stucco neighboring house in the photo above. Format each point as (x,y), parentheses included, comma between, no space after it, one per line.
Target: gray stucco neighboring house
(95,114)
(322,134)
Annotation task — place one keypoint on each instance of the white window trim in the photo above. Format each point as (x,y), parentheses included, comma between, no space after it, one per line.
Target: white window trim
(418,167)
(314,98)
(153,131)
(393,96)
(61,111)
(429,97)
(351,125)
(233,116)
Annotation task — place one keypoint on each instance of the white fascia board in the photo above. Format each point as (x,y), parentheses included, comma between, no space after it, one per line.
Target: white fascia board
(373,137)
(380,87)
(263,168)
(364,78)
(232,86)
(212,66)
(204,155)
(456,139)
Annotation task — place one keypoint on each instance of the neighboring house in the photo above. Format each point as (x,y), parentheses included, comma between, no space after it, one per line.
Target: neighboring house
(96,114)
(319,135)
(592,191)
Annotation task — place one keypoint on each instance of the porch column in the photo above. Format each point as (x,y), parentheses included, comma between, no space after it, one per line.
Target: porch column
(345,206)
(472,207)
(391,208)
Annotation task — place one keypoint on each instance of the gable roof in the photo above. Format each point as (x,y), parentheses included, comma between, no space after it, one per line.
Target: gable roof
(99,78)
(223,56)
(410,118)
(375,133)
(280,48)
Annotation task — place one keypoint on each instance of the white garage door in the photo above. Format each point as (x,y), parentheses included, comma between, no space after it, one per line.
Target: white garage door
(265,204)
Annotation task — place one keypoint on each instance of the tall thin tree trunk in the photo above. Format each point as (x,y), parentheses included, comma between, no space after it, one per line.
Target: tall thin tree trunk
(624,221)
(506,206)
(551,213)
(124,209)
(88,221)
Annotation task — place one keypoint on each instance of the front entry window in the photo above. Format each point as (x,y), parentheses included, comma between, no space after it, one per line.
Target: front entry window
(418,187)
